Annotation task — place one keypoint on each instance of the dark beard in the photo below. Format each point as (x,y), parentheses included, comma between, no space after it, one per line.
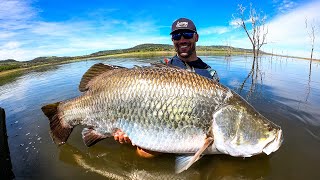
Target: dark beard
(189,53)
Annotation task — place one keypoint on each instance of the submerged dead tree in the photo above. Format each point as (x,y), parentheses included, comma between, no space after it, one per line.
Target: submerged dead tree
(311,32)
(254,26)
(254,80)
(228,50)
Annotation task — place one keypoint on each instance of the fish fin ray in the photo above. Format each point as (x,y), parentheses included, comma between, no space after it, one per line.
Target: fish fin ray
(50,109)
(60,131)
(91,136)
(93,72)
(184,162)
(161,65)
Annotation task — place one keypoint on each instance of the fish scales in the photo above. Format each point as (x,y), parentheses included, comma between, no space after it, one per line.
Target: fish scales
(164,109)
(123,100)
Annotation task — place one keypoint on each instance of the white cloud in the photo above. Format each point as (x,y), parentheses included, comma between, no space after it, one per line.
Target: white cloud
(6,34)
(15,14)
(23,36)
(235,22)
(286,5)
(51,29)
(10,45)
(214,30)
(16,9)
(287,32)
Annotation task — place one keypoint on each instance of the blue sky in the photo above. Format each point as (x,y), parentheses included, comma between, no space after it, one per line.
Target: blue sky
(33,28)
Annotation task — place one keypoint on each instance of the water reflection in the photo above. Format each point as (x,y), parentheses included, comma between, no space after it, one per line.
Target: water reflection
(102,161)
(309,81)
(122,166)
(225,167)
(254,75)
(4,79)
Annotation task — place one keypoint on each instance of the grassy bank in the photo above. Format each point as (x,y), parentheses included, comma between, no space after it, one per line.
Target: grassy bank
(142,51)
(14,67)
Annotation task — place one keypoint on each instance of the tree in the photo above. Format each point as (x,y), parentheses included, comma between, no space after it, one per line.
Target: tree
(311,33)
(258,31)
(311,29)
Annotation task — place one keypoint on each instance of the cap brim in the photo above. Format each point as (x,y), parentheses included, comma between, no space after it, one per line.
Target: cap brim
(183,29)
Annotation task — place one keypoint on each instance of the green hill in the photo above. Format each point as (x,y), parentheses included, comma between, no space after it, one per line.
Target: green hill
(10,64)
(165,47)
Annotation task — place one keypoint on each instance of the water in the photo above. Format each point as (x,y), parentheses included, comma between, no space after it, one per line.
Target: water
(282,89)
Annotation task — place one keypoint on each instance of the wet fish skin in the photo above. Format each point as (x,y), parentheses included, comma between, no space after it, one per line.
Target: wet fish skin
(241,131)
(165,109)
(159,105)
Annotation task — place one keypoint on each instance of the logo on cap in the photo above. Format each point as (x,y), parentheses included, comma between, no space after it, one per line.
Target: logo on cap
(182,24)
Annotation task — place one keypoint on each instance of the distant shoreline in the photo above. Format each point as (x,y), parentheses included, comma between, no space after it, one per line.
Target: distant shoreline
(46,61)
(134,54)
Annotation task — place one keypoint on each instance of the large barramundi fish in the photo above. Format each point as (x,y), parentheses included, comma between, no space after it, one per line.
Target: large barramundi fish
(164,109)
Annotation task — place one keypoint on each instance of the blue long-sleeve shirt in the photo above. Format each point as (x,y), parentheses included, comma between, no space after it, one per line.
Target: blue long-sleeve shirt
(197,66)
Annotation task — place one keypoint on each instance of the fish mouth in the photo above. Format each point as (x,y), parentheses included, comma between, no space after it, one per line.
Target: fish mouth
(274,145)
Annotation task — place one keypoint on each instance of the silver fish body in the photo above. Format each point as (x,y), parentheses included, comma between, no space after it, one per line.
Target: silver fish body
(169,110)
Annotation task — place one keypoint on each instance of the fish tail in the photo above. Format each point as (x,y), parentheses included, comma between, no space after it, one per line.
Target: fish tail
(60,130)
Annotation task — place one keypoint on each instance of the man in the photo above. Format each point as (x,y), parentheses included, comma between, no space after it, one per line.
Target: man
(184,37)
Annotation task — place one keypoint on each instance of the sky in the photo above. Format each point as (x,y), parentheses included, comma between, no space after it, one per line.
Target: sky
(34,28)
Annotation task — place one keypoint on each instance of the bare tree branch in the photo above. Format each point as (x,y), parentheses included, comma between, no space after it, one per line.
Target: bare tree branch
(258,31)
(311,30)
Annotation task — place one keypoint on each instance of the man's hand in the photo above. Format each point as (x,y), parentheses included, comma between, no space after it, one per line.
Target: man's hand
(121,137)
(146,153)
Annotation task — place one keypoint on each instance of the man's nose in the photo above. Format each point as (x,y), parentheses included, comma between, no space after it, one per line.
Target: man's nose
(183,39)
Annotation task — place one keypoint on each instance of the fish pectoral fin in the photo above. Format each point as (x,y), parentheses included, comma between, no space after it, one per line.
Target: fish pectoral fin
(91,136)
(184,162)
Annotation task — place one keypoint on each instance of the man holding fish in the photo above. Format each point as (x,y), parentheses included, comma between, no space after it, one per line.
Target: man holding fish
(165,109)
(184,37)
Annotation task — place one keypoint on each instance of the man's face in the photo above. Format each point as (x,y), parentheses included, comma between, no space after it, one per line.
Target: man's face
(186,45)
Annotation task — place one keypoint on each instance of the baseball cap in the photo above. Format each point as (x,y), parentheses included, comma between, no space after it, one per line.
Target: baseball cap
(183,24)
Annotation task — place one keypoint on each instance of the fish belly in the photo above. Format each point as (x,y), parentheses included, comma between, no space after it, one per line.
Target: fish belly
(162,139)
(159,110)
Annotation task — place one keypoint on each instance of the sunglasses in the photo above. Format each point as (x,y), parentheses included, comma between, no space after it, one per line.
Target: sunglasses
(186,35)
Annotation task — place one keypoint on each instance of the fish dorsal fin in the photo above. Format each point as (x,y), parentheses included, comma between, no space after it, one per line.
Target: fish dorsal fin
(93,72)
(161,65)
(184,162)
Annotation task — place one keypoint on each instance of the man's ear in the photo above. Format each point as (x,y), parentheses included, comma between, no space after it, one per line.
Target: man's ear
(196,37)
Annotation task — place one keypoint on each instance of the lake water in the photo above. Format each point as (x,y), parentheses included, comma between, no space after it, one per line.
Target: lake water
(282,89)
